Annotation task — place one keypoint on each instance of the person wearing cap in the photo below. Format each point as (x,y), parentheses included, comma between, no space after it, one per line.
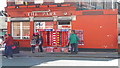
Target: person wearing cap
(74,42)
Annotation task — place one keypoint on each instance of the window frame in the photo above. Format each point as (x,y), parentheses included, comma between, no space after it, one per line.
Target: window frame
(21,31)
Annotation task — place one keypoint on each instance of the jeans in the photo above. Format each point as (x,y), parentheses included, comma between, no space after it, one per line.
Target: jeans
(8,51)
(5,51)
(40,47)
(33,48)
(74,47)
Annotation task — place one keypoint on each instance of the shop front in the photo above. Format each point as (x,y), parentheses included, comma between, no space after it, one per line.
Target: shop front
(55,33)
(54,29)
(97,29)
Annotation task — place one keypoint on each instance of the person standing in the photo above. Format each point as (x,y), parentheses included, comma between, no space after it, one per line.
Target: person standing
(4,44)
(9,43)
(33,44)
(40,43)
(74,42)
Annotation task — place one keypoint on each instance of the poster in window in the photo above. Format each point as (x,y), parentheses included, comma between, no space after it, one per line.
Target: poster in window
(48,25)
(80,34)
(40,25)
(19,1)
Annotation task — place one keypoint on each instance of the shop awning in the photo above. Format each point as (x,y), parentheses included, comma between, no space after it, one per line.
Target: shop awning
(43,19)
(20,19)
(64,18)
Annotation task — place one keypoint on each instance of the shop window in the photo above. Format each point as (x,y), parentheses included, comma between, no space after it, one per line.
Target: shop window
(43,25)
(21,30)
(64,23)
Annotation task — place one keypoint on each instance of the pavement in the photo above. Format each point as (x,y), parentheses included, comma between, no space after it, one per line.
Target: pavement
(31,60)
(61,54)
(68,54)
(58,61)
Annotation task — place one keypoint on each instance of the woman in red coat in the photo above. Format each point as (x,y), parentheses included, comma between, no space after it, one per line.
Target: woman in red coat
(9,43)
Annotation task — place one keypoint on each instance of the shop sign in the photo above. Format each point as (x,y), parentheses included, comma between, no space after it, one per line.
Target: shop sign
(46,13)
(40,29)
(65,29)
(4,30)
(58,30)
(48,29)
(66,26)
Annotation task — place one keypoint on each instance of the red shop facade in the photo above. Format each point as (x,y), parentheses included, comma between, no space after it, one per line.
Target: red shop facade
(95,28)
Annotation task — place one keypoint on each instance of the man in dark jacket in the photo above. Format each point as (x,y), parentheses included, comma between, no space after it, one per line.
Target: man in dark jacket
(74,42)
(40,43)
(9,43)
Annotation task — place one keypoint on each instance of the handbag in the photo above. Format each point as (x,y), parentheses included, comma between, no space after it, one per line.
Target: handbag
(13,47)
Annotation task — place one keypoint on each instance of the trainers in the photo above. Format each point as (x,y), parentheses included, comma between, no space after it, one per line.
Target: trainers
(72,52)
(33,52)
(76,53)
(10,58)
(5,56)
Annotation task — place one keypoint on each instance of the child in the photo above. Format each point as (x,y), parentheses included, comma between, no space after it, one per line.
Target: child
(33,44)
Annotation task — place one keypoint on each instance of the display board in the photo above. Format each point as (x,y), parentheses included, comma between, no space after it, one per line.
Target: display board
(80,34)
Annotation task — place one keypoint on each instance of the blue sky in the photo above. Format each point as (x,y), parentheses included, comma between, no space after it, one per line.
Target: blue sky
(2,4)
